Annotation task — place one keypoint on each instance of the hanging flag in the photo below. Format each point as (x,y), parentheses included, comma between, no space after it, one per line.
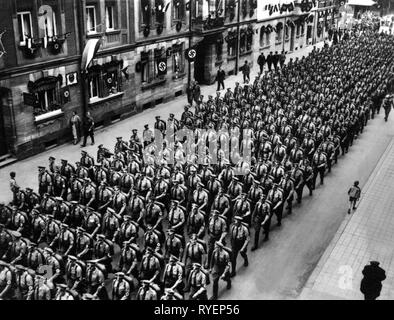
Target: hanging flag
(191,54)
(161,66)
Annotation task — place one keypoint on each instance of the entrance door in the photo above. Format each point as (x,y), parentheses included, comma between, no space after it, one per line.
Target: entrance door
(3,140)
(199,64)
(292,35)
(308,33)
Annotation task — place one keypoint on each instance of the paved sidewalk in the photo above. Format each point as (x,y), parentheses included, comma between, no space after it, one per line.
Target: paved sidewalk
(27,169)
(364,236)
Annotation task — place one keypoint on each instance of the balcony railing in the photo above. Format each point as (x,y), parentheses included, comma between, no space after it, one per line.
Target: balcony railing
(208,24)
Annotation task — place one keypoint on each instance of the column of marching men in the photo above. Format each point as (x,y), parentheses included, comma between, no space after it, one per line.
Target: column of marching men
(129,225)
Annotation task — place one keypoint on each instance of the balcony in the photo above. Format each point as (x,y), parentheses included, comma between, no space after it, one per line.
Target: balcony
(209,25)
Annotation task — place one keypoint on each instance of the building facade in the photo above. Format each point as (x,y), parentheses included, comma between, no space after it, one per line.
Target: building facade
(115,58)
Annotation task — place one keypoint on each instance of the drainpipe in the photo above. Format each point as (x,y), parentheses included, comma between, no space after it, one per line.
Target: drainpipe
(84,79)
(189,76)
(238,40)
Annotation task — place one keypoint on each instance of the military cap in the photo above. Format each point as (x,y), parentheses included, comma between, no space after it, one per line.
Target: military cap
(101,236)
(62,286)
(41,167)
(118,138)
(80,229)
(218,243)
(71,257)
(110,210)
(134,130)
(29,189)
(239,218)
(100,146)
(16,234)
(58,198)
(173,258)
(52,158)
(63,160)
(146,126)
(196,265)
(120,274)
(49,250)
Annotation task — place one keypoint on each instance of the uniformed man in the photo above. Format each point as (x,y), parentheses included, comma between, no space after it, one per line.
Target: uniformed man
(83,244)
(52,164)
(88,194)
(92,222)
(24,279)
(242,208)
(60,186)
(319,165)
(95,280)
(299,181)
(222,204)
(76,185)
(239,238)
(121,287)
(64,241)
(119,202)
(32,199)
(177,217)
(103,250)
(287,185)
(43,288)
(66,170)
(104,197)
(75,273)
(195,252)
(147,136)
(86,161)
(275,196)
(5,214)
(80,171)
(261,218)
(56,266)
(148,291)
(44,180)
(7,282)
(34,257)
(51,230)
(5,240)
(128,259)
(150,266)
(19,221)
(220,267)
(173,275)
(61,210)
(100,174)
(196,222)
(173,245)
(200,197)
(217,231)
(63,292)
(111,224)
(120,145)
(136,207)
(197,282)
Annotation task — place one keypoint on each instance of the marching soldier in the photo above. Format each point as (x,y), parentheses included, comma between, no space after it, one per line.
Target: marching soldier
(195,252)
(5,240)
(136,207)
(63,292)
(239,237)
(200,197)
(261,218)
(92,222)
(60,185)
(7,282)
(299,182)
(83,244)
(128,258)
(19,221)
(242,208)
(64,241)
(150,266)
(196,222)
(152,237)
(76,185)
(87,196)
(287,185)
(86,160)
(51,230)
(32,199)
(173,275)
(319,165)
(24,283)
(121,287)
(44,180)
(197,282)
(220,267)
(128,231)
(148,291)
(103,250)
(66,170)
(104,197)
(176,217)
(308,175)
(95,280)
(173,245)
(110,224)
(153,215)
(80,171)
(61,209)
(52,165)
(75,273)
(100,174)
(119,202)
(275,196)
(217,231)
(35,256)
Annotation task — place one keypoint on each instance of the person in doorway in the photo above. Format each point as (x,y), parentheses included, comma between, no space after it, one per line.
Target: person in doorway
(220,78)
(75,123)
(354,195)
(246,71)
(371,284)
(88,128)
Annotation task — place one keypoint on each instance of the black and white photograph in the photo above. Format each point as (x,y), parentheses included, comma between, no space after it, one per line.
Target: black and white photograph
(215,151)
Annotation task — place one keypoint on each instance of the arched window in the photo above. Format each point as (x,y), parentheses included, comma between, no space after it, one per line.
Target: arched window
(47,21)
(262,36)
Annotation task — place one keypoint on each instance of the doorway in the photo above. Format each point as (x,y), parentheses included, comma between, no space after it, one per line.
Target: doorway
(292,35)
(199,64)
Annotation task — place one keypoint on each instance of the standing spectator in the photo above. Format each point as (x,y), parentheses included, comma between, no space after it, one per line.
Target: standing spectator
(270,61)
(196,92)
(88,129)
(335,38)
(13,185)
(246,71)
(261,62)
(371,284)
(75,123)
(189,92)
(354,195)
(275,60)
(220,78)
(282,59)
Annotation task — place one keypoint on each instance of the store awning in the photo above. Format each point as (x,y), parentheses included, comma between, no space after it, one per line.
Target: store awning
(364,3)
(89,52)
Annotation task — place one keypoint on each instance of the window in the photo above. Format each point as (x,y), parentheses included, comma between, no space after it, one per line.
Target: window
(242,42)
(91,19)
(146,12)
(198,8)
(267,39)
(178,9)
(278,37)
(25,26)
(47,92)
(94,86)
(262,36)
(287,32)
(298,29)
(109,17)
(302,28)
(178,58)
(232,43)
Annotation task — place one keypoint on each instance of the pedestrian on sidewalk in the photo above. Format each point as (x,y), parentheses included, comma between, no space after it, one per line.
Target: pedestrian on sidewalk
(196,93)
(189,93)
(282,59)
(371,284)
(75,123)
(13,186)
(261,62)
(269,61)
(220,78)
(354,195)
(387,105)
(246,71)
(88,129)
